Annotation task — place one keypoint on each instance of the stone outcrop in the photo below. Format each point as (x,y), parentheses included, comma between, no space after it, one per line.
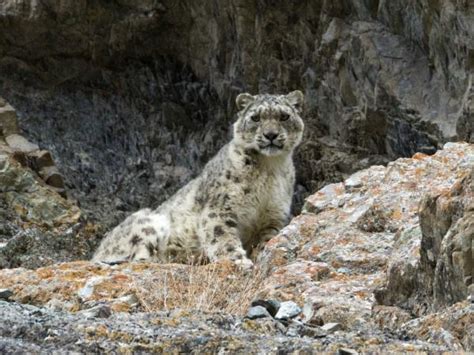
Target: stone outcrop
(139,96)
(25,152)
(38,225)
(440,268)
(401,233)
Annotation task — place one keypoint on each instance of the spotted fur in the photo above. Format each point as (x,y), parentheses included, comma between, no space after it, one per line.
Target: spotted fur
(240,200)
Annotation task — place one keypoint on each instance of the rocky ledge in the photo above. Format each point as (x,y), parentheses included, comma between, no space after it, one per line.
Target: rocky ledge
(382,261)
(39,225)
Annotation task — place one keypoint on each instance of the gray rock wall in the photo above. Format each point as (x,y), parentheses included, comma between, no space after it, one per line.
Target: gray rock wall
(441,270)
(133,98)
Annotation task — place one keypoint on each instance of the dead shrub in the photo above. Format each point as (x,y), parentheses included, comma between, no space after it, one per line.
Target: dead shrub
(216,287)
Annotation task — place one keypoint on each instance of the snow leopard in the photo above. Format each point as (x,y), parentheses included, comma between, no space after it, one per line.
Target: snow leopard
(241,199)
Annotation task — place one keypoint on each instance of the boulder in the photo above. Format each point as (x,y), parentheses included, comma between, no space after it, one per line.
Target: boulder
(20,144)
(8,119)
(401,231)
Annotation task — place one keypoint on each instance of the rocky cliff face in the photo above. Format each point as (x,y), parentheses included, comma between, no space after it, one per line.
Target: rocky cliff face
(133,98)
(120,103)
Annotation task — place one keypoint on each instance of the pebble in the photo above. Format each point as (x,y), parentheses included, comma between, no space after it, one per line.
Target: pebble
(331,327)
(308,311)
(288,310)
(344,270)
(352,183)
(20,143)
(347,351)
(100,311)
(88,289)
(131,300)
(297,329)
(272,306)
(5,294)
(258,312)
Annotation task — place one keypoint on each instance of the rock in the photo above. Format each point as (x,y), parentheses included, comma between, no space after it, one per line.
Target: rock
(100,311)
(312,332)
(13,177)
(308,311)
(451,326)
(175,116)
(352,260)
(86,292)
(402,269)
(42,159)
(58,305)
(5,294)
(256,312)
(131,300)
(347,351)
(297,329)
(331,327)
(33,248)
(272,306)
(437,256)
(43,207)
(29,155)
(8,120)
(263,326)
(20,144)
(75,333)
(389,317)
(29,199)
(52,177)
(352,183)
(155,332)
(38,227)
(288,310)
(324,260)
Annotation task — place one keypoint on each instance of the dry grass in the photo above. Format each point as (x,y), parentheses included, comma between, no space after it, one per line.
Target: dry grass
(216,287)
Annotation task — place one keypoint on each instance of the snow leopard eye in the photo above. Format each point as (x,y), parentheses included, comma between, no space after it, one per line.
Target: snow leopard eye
(284,117)
(255,117)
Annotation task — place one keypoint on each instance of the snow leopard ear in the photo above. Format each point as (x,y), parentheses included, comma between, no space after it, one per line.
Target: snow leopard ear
(296,99)
(243,100)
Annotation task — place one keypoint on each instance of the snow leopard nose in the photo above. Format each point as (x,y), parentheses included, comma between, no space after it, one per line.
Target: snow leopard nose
(270,135)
